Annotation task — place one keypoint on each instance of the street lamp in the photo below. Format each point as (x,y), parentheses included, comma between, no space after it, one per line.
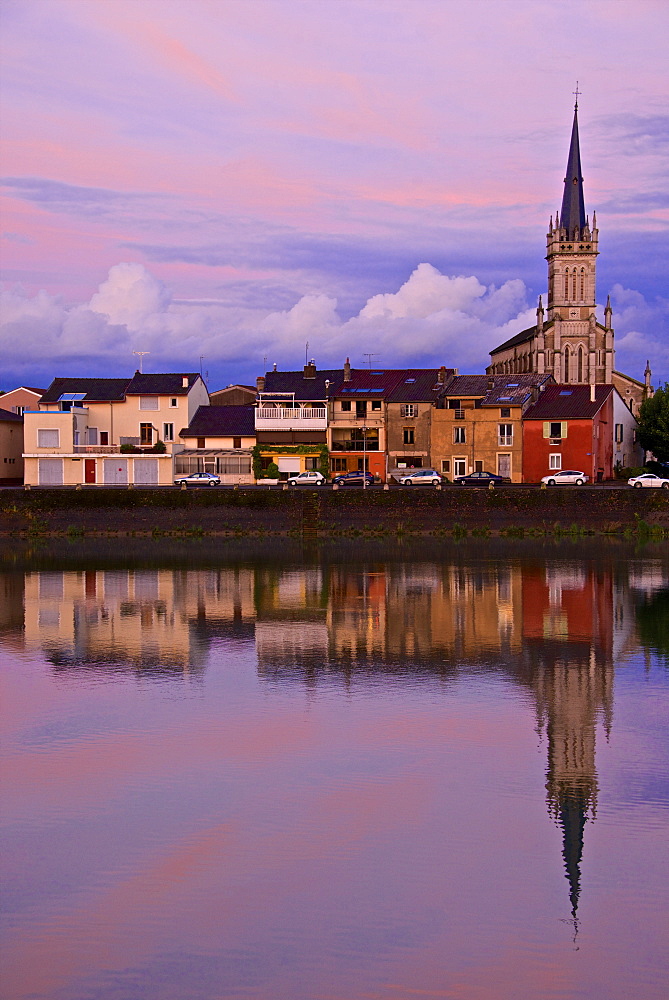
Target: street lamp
(364,457)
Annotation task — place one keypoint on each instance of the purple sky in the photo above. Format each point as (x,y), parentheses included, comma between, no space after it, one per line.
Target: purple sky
(235,179)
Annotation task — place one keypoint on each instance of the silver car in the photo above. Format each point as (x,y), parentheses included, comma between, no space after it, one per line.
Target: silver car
(421,477)
(309,478)
(565,477)
(198,479)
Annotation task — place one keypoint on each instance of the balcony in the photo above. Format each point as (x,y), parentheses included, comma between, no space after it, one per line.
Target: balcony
(286,418)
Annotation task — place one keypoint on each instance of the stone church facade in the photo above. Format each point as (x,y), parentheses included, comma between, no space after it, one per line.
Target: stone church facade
(567,341)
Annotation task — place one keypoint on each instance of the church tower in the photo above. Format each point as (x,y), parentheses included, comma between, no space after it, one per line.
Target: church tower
(567,341)
(582,349)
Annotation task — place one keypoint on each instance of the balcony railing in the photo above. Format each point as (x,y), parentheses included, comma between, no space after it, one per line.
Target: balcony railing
(288,413)
(354,446)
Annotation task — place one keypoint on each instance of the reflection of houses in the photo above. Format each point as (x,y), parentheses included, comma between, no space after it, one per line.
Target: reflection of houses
(151,621)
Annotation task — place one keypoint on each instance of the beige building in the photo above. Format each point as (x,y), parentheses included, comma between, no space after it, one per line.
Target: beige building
(478,424)
(111,432)
(24,398)
(219,439)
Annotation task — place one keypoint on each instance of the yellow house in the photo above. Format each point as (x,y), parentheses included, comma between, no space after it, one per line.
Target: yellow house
(111,432)
(477,426)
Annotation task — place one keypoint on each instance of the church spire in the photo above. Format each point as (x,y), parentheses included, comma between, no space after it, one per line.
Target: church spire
(572,215)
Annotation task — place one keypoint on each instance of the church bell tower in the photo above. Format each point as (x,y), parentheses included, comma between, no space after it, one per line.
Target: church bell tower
(582,350)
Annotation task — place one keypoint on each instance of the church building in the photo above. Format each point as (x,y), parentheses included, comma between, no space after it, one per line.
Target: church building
(567,341)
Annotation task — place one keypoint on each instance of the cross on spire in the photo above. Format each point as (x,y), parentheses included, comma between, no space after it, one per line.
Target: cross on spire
(576,93)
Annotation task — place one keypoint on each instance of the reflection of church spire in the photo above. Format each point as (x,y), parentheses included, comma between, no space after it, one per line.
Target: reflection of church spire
(572,817)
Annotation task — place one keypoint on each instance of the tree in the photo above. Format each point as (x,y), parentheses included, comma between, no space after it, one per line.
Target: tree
(654,424)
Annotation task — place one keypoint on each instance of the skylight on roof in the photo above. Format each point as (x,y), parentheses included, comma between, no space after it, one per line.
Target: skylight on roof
(512,385)
(406,381)
(71,397)
(565,392)
(361,390)
(376,373)
(505,399)
(376,390)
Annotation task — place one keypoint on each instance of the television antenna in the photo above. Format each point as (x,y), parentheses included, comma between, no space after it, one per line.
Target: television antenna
(369,355)
(141,355)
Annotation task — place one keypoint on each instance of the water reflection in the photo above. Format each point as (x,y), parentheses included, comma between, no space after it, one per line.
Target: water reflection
(552,629)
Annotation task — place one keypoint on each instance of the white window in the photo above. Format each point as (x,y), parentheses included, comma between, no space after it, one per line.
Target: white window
(409,410)
(168,432)
(148,402)
(459,435)
(48,438)
(505,435)
(173,401)
(555,461)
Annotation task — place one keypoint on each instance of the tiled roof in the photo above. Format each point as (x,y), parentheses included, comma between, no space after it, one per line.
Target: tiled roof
(169,384)
(221,421)
(304,388)
(8,417)
(375,382)
(564,401)
(96,389)
(419,385)
(493,388)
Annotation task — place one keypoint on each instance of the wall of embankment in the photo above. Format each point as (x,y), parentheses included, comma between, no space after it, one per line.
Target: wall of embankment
(104,512)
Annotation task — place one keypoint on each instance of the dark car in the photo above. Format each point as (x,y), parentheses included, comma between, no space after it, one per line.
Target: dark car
(353,478)
(481,479)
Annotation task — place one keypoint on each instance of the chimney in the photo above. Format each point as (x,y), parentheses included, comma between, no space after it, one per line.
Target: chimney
(441,377)
(592,392)
(260,383)
(184,381)
(491,384)
(347,371)
(274,367)
(310,369)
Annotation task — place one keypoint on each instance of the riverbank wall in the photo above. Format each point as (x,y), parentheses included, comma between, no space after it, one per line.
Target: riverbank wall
(107,512)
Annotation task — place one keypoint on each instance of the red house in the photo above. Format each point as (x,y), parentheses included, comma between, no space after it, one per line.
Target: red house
(569,427)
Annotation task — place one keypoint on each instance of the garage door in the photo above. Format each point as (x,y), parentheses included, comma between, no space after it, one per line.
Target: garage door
(289,465)
(116,471)
(50,471)
(146,471)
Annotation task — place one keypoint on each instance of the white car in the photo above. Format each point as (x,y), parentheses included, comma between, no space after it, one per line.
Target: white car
(649,479)
(310,478)
(421,477)
(565,477)
(198,479)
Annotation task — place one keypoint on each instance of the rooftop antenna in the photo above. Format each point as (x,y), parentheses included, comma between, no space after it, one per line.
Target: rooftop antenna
(369,355)
(141,360)
(264,364)
(201,360)
(306,353)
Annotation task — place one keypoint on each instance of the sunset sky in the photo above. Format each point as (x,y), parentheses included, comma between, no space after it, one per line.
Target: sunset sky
(231,179)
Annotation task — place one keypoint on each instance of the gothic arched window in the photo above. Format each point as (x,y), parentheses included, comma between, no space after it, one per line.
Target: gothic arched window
(566,284)
(573,285)
(582,285)
(566,364)
(580,364)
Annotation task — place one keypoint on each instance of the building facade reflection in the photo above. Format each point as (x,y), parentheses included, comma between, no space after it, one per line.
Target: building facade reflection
(555,627)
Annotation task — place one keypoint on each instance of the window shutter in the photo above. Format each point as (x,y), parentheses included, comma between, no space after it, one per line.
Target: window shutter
(564,429)
(547,428)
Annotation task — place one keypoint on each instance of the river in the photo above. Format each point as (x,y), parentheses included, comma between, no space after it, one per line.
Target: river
(345,771)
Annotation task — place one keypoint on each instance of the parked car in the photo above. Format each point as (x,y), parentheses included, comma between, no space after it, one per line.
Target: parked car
(309,478)
(565,477)
(481,479)
(649,479)
(198,479)
(421,477)
(353,478)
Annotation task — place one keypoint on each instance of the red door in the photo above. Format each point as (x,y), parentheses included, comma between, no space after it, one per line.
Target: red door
(89,470)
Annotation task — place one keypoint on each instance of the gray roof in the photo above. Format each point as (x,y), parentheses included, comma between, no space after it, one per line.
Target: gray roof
(419,385)
(221,421)
(11,418)
(495,389)
(96,390)
(304,388)
(166,384)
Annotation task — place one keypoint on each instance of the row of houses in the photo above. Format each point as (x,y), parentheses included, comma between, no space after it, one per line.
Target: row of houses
(146,429)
